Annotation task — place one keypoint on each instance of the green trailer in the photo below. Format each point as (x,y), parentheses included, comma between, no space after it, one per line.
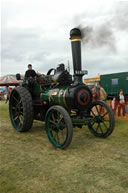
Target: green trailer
(112,83)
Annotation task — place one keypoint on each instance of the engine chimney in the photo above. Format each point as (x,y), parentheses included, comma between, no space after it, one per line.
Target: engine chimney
(75,37)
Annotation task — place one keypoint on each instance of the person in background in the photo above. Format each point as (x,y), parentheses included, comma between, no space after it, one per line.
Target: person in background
(7,93)
(121,103)
(102,94)
(30,72)
(95,95)
(113,105)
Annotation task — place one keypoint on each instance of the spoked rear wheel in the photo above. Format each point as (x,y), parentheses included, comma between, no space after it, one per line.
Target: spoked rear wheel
(58,126)
(20,109)
(103,119)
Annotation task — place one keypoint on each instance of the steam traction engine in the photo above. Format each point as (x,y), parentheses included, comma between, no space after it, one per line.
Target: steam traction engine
(60,102)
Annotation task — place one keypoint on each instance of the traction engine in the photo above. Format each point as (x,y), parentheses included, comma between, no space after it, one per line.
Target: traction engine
(62,101)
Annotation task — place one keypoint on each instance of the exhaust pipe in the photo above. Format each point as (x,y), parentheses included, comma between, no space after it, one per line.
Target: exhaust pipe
(75,37)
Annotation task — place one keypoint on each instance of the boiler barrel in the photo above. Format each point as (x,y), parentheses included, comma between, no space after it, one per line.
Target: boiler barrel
(70,97)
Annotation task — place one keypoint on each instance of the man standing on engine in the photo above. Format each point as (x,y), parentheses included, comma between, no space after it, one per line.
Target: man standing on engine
(30,72)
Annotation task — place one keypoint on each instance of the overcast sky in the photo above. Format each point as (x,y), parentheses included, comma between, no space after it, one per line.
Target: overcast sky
(37,32)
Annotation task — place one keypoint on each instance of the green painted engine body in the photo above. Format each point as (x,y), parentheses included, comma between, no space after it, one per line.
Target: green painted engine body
(55,96)
(74,98)
(36,87)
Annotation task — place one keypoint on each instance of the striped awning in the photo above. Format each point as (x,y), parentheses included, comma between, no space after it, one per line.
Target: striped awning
(8,81)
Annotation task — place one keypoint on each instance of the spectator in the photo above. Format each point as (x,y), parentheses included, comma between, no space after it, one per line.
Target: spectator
(121,103)
(126,108)
(102,96)
(113,105)
(101,93)
(94,94)
(7,93)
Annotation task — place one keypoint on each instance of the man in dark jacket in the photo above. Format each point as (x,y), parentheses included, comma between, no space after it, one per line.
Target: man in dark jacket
(30,72)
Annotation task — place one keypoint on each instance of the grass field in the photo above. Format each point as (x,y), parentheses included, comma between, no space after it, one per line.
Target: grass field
(30,164)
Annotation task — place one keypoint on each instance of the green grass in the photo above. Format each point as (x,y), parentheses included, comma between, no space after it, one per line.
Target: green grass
(30,164)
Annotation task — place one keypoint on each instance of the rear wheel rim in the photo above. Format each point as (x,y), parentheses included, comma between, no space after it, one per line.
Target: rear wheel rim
(16,111)
(20,109)
(103,120)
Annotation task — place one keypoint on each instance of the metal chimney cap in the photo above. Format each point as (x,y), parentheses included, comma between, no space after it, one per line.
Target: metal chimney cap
(75,32)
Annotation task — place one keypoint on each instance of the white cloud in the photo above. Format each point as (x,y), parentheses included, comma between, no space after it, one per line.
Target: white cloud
(37,32)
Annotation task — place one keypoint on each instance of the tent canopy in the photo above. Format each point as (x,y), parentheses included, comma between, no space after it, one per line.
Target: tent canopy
(8,80)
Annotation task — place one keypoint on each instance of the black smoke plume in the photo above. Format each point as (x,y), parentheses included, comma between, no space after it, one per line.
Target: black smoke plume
(98,36)
(103,35)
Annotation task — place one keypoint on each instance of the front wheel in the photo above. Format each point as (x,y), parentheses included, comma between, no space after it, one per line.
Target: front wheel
(58,126)
(103,119)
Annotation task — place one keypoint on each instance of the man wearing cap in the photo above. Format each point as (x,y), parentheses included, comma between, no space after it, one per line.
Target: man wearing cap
(30,72)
